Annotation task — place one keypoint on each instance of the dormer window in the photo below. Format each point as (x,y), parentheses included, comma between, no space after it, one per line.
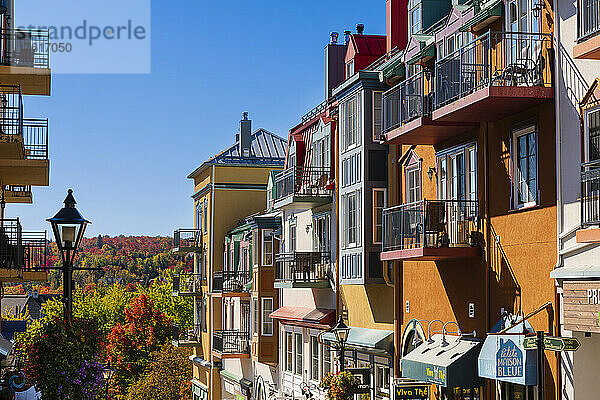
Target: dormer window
(349,69)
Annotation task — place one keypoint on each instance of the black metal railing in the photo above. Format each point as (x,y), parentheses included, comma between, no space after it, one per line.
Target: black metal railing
(35,138)
(11,244)
(35,251)
(231,281)
(405,102)
(187,238)
(589,18)
(11,110)
(494,59)
(18,190)
(25,48)
(231,342)
(590,193)
(431,223)
(187,284)
(303,266)
(303,181)
(193,334)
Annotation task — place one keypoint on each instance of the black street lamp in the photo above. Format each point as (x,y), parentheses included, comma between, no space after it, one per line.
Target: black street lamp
(68,226)
(341,331)
(107,374)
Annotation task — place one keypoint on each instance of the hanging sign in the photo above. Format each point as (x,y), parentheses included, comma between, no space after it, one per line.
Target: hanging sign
(412,392)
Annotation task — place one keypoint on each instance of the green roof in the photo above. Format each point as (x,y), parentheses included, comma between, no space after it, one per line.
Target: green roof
(373,340)
(484,17)
(426,52)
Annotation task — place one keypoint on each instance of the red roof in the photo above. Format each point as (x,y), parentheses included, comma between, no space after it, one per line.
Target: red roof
(321,318)
(369,45)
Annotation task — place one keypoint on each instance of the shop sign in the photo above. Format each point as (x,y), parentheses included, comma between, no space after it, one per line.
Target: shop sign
(419,392)
(435,374)
(509,360)
(582,306)
(363,375)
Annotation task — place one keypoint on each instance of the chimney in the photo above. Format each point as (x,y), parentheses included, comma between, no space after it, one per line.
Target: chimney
(335,55)
(347,37)
(244,142)
(360,28)
(397,21)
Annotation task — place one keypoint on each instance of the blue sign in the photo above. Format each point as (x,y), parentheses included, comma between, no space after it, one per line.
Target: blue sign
(504,358)
(509,360)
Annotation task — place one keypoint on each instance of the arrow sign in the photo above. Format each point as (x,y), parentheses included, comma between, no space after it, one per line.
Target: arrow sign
(553,343)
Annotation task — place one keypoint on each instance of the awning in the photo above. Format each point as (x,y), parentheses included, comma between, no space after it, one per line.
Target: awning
(449,361)
(367,340)
(426,54)
(504,358)
(484,17)
(320,318)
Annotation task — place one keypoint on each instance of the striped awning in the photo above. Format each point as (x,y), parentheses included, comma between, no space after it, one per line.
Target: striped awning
(320,318)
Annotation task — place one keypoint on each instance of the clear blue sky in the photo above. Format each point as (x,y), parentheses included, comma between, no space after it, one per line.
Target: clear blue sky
(125,143)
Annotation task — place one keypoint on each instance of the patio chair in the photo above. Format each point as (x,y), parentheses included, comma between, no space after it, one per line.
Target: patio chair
(435,224)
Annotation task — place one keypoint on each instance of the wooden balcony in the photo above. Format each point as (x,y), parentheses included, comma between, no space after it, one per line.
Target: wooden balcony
(231,344)
(187,285)
(431,230)
(187,240)
(24,60)
(497,75)
(237,283)
(18,194)
(303,187)
(188,338)
(303,269)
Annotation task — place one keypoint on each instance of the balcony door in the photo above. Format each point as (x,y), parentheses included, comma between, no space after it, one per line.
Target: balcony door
(245,317)
(525,47)
(457,183)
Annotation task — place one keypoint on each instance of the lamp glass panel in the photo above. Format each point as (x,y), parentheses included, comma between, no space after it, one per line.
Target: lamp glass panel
(69,233)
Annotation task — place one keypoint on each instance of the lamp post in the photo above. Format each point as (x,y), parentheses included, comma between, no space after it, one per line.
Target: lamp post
(341,331)
(107,374)
(68,226)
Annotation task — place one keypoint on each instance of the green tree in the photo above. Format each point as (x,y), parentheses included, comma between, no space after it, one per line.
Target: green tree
(167,376)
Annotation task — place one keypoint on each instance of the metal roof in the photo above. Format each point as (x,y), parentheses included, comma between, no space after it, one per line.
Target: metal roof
(264,144)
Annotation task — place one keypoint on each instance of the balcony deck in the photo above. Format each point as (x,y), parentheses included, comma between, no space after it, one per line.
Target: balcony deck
(23,254)
(190,338)
(303,269)
(187,285)
(303,187)
(431,230)
(496,75)
(18,194)
(24,60)
(588,41)
(231,344)
(232,283)
(187,240)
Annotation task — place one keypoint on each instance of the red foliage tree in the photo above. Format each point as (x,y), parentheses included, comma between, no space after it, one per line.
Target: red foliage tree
(145,330)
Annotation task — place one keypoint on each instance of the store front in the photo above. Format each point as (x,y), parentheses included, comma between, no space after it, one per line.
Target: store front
(369,352)
(504,360)
(447,364)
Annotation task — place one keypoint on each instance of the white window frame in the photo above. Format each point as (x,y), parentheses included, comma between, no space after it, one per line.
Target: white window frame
(313,340)
(443,166)
(415,6)
(267,236)
(288,360)
(352,229)
(298,369)
(267,321)
(352,121)
(416,170)
(516,134)
(255,316)
(586,122)
(377,114)
(377,209)
(349,69)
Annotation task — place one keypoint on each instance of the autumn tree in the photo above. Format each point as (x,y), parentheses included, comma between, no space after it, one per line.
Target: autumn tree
(145,330)
(167,376)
